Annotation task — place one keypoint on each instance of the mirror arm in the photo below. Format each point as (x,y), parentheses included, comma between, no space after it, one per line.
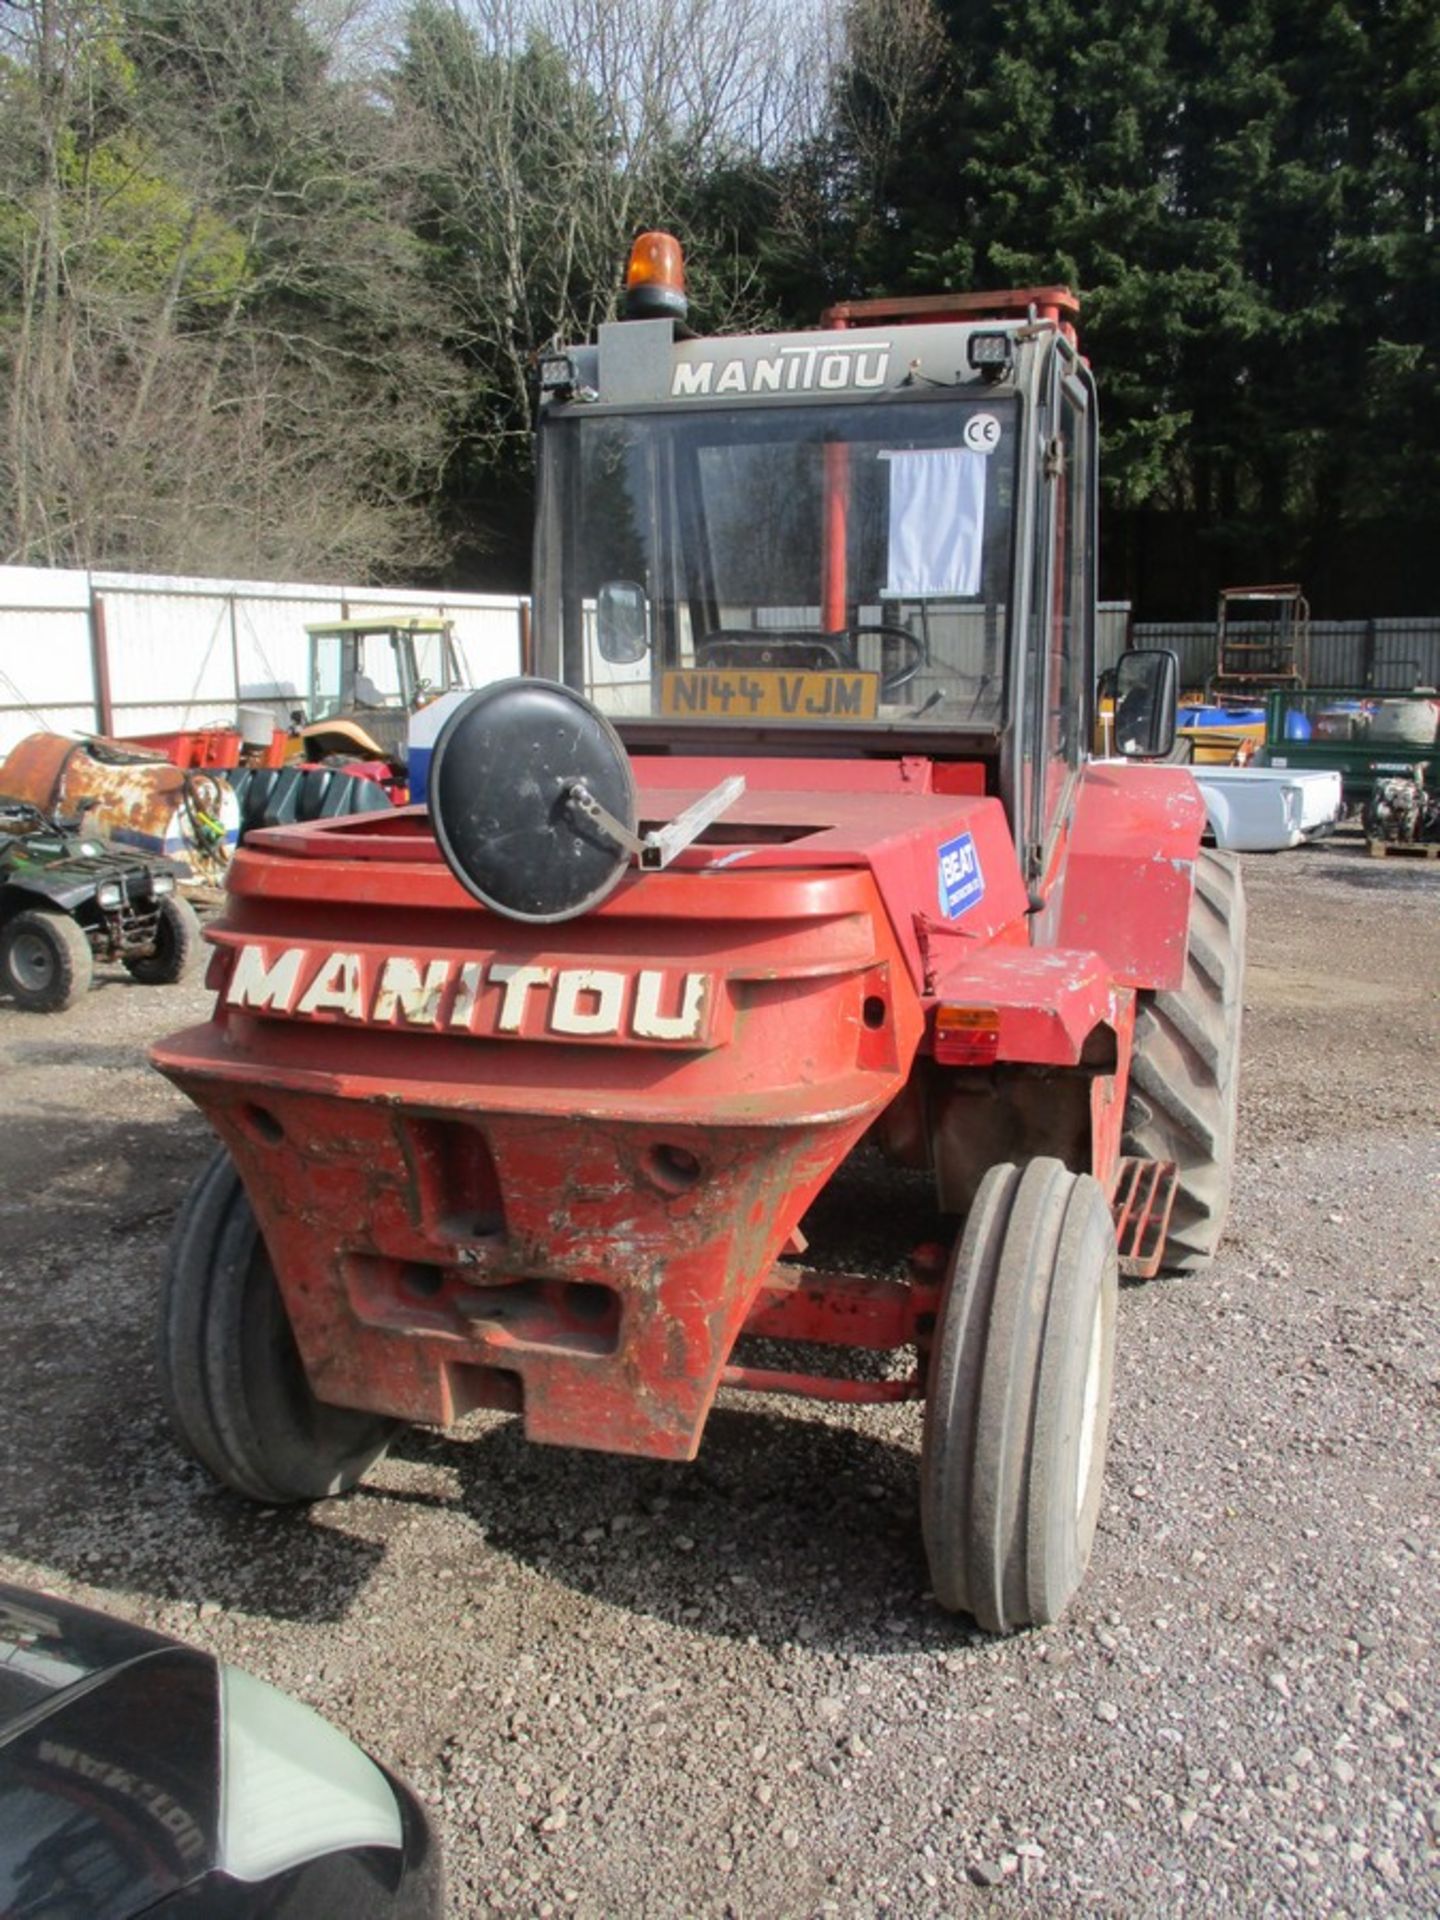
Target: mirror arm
(659,847)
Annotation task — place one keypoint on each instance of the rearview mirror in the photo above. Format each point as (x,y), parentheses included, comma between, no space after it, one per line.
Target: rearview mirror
(1147,685)
(622,622)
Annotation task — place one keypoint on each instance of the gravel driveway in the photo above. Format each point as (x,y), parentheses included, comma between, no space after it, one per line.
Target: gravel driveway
(636,1689)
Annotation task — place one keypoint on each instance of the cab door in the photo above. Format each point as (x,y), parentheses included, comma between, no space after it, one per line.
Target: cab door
(1060,639)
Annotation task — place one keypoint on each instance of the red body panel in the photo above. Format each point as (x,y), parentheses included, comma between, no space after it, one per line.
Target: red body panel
(555,1168)
(1049,1000)
(461,1216)
(1130,870)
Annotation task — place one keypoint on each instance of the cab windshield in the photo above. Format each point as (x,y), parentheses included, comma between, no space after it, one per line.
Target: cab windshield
(804,565)
(377,667)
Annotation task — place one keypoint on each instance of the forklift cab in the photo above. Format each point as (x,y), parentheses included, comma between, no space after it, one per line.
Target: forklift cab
(875,541)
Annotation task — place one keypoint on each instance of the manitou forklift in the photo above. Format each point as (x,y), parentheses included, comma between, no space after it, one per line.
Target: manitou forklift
(794,842)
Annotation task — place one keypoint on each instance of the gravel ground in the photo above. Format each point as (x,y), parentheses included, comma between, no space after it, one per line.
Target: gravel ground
(722,1689)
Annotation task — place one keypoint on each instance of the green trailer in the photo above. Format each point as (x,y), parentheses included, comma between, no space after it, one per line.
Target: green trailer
(1366,735)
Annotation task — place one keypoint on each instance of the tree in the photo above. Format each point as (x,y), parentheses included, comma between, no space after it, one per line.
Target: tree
(216,349)
(540,138)
(1244,194)
(335,338)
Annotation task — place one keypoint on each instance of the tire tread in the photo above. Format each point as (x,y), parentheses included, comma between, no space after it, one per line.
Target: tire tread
(1184,1074)
(1001,1421)
(177,946)
(75,961)
(223,1346)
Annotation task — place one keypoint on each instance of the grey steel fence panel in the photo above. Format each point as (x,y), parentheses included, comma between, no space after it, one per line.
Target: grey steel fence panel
(1192,640)
(1112,632)
(1343,653)
(183,652)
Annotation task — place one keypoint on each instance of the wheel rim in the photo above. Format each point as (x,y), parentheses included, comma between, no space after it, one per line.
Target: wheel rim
(32,963)
(1090,1407)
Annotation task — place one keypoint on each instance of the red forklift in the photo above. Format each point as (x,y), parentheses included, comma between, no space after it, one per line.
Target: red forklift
(793,843)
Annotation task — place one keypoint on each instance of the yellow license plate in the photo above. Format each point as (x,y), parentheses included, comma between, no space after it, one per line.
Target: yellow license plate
(768,693)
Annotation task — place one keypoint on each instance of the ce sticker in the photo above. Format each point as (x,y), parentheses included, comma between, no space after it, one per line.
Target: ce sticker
(982,433)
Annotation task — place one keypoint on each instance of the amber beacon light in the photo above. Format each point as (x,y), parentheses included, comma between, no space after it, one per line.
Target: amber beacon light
(655,279)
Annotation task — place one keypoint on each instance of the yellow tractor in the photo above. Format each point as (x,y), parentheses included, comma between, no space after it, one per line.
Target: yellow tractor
(366,679)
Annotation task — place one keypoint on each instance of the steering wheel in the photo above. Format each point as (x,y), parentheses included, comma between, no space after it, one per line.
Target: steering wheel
(769,647)
(808,649)
(912,658)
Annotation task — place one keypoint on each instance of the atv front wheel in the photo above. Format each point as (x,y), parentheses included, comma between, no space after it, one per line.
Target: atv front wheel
(45,960)
(176,949)
(230,1373)
(1017,1409)
(1185,1072)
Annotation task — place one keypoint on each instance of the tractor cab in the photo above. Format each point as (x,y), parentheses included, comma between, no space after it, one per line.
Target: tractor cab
(366,679)
(874,541)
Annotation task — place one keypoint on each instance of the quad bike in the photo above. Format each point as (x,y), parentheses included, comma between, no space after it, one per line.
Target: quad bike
(68,899)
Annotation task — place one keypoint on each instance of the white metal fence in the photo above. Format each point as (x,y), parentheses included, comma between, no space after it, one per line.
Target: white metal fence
(90,652)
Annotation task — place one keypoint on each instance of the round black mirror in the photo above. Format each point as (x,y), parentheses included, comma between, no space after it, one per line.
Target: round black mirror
(509,770)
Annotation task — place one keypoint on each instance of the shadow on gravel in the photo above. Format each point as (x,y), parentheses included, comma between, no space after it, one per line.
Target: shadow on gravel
(1397,873)
(95,1484)
(791,1527)
(74,1178)
(128,1510)
(54,1052)
(785,1528)
(278,1566)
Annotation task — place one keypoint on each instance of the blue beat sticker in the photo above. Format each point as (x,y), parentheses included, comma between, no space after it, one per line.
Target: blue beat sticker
(962,884)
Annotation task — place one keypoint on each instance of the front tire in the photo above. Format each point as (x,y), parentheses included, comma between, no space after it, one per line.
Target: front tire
(45,960)
(231,1376)
(1018,1404)
(1185,1070)
(176,949)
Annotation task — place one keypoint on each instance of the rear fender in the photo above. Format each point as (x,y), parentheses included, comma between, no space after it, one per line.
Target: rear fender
(1217,816)
(1124,892)
(340,736)
(1061,1030)
(1046,1002)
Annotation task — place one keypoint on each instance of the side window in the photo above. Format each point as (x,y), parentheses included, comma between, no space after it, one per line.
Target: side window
(1070,642)
(1059,650)
(1032,794)
(327,675)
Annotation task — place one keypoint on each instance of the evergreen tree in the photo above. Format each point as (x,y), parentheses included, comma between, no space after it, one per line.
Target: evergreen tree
(1243,191)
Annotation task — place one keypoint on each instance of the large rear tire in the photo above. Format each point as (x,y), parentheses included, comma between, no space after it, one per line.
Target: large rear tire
(1018,1404)
(45,960)
(176,949)
(1185,1071)
(231,1375)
